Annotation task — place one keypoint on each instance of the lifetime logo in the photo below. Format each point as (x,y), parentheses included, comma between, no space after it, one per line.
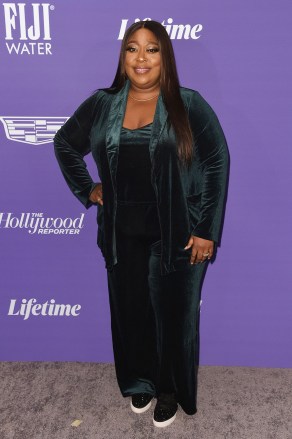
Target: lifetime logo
(28,25)
(30,307)
(175,31)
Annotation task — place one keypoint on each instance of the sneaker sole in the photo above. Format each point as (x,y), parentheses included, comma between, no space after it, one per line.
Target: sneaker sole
(164,423)
(142,409)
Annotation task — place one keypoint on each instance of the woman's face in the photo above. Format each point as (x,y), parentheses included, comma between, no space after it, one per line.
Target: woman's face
(143,59)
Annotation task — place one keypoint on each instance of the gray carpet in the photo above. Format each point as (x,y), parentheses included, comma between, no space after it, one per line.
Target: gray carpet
(40,400)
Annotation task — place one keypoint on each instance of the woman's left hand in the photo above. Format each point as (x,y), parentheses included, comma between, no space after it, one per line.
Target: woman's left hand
(200,248)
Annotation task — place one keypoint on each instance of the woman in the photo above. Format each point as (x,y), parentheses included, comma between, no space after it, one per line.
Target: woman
(162,159)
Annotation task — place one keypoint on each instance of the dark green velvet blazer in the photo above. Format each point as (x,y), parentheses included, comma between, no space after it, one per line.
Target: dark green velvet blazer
(190,201)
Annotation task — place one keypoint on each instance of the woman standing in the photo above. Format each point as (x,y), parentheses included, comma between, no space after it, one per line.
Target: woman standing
(163,160)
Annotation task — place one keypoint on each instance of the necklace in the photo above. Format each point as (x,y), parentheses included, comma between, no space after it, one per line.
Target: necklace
(148,99)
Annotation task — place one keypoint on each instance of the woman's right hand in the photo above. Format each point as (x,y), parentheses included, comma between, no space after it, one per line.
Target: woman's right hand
(96,194)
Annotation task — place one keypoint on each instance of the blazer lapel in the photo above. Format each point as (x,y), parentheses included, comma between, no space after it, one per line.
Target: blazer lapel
(114,125)
(115,122)
(159,121)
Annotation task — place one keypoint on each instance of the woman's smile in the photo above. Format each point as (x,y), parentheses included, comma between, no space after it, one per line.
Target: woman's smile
(141,70)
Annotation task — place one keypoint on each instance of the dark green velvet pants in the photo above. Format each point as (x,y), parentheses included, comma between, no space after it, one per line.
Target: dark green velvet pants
(154,318)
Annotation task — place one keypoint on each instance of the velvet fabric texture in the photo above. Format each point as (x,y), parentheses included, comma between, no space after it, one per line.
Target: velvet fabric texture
(134,166)
(190,201)
(154,291)
(154,318)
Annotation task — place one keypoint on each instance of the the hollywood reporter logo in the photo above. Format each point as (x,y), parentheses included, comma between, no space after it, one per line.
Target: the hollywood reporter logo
(27,28)
(38,223)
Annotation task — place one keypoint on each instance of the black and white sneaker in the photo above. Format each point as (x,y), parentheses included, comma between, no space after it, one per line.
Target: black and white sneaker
(141,402)
(165,410)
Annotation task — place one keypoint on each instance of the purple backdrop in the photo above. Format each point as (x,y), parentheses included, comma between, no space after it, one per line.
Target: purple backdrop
(237,57)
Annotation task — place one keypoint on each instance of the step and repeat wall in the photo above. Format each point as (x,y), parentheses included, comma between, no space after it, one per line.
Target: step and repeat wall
(54,302)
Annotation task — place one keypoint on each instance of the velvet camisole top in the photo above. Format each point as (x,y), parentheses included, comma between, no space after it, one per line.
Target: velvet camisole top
(137,213)
(134,166)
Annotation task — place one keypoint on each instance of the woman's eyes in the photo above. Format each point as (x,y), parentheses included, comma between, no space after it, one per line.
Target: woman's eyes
(151,50)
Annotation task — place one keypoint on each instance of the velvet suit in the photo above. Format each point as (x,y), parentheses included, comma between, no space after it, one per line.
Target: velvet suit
(163,354)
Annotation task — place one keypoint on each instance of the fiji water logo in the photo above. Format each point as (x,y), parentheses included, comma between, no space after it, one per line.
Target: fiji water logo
(33,130)
(175,31)
(27,28)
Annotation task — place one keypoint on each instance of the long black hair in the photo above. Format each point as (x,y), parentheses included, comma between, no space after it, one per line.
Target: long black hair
(169,85)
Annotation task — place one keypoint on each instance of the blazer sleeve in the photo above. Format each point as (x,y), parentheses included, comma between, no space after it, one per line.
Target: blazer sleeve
(214,161)
(71,144)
